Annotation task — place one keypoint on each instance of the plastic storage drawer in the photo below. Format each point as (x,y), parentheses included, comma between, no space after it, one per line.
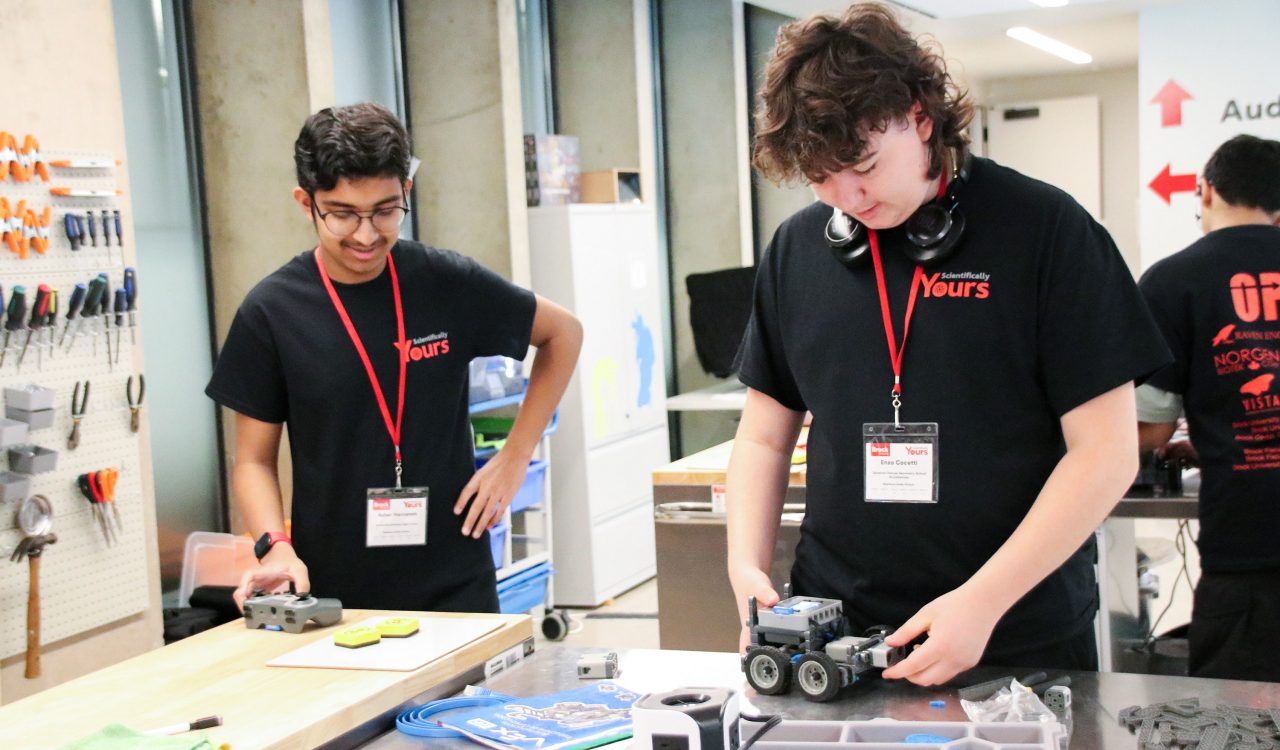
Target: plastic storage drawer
(521,593)
(530,492)
(497,542)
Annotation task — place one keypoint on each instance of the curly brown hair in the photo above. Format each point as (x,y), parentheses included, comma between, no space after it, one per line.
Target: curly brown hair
(831,79)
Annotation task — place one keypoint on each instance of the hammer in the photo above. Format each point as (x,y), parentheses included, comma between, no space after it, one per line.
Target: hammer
(35,518)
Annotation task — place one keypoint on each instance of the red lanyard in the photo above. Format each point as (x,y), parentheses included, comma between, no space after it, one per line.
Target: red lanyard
(895,351)
(393,429)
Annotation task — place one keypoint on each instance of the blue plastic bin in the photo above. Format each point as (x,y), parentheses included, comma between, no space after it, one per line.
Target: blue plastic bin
(530,493)
(497,540)
(521,593)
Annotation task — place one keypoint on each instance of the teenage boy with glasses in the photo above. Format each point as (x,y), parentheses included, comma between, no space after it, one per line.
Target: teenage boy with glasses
(361,346)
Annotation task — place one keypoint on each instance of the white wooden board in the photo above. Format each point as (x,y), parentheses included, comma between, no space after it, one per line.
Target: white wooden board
(436,637)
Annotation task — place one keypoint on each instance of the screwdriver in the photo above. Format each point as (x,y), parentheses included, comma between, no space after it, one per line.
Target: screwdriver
(73,230)
(50,320)
(122,304)
(93,228)
(16,310)
(90,306)
(73,309)
(119,233)
(39,309)
(104,307)
(131,288)
(106,222)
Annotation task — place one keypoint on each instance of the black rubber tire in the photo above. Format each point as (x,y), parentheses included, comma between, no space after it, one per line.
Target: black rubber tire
(817,676)
(768,670)
(555,625)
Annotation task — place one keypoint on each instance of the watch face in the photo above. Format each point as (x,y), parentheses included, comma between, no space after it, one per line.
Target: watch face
(35,516)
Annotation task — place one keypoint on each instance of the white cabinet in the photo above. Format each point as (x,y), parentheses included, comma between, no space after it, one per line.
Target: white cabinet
(601,262)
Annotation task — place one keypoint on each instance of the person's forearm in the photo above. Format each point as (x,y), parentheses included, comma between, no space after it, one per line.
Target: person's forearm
(1155,435)
(257,492)
(552,367)
(1082,490)
(756,487)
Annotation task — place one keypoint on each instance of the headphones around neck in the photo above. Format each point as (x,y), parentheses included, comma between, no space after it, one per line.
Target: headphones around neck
(933,232)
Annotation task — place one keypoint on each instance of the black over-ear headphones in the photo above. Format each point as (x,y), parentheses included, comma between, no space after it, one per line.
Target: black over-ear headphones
(934,231)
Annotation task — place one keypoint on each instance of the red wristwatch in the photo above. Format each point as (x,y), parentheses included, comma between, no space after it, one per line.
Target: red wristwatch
(267,541)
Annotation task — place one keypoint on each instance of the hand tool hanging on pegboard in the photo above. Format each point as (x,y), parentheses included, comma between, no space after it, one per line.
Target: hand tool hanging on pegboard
(135,406)
(78,405)
(35,519)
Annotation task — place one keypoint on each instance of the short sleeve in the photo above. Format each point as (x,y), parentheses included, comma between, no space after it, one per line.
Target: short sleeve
(501,313)
(1157,406)
(1095,331)
(1170,308)
(762,358)
(247,376)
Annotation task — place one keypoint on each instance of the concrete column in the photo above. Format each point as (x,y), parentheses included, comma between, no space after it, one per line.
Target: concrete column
(262,67)
(703,162)
(464,98)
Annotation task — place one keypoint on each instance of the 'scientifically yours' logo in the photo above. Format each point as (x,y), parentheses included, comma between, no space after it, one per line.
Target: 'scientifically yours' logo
(424,347)
(964,284)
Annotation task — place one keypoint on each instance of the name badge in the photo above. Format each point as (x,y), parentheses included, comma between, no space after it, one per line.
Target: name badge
(900,462)
(396,517)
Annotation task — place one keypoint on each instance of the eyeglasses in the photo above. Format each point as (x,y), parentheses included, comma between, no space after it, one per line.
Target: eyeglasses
(344,222)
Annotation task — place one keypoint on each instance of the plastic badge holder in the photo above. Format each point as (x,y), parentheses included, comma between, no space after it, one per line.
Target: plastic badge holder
(32,459)
(888,734)
(29,397)
(14,487)
(13,432)
(36,420)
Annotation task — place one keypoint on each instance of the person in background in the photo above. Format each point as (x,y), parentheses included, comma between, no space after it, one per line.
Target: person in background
(1218,305)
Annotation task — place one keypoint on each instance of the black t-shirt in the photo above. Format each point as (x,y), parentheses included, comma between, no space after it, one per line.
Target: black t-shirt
(288,358)
(1035,314)
(1218,304)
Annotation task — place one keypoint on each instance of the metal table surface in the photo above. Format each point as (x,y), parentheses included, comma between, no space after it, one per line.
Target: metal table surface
(1097,698)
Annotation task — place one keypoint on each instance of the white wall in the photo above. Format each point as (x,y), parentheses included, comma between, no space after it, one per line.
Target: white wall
(1117,93)
(1219,53)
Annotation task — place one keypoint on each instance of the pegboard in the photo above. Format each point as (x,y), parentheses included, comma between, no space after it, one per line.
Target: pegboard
(84,582)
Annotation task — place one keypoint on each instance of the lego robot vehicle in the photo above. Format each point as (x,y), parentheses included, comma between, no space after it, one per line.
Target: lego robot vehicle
(806,639)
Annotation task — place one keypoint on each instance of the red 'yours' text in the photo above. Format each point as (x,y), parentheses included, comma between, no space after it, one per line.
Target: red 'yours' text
(936,286)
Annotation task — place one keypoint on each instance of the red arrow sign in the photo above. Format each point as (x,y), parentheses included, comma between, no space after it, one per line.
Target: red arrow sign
(1170,99)
(1166,184)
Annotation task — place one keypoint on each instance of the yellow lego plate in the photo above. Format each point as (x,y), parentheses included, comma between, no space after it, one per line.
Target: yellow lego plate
(398,627)
(356,637)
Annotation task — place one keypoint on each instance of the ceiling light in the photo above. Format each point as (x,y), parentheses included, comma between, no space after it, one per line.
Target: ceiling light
(1050,3)
(1050,45)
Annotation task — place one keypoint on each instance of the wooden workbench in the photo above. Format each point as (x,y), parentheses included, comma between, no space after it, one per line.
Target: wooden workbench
(694,477)
(223,672)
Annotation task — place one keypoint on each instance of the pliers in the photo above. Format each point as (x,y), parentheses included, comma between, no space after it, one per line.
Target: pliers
(135,405)
(78,405)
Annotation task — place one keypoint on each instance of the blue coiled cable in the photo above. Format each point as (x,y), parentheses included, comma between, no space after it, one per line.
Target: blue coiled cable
(417,721)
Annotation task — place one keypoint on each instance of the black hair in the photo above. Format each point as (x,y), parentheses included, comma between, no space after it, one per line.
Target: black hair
(356,141)
(1246,172)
